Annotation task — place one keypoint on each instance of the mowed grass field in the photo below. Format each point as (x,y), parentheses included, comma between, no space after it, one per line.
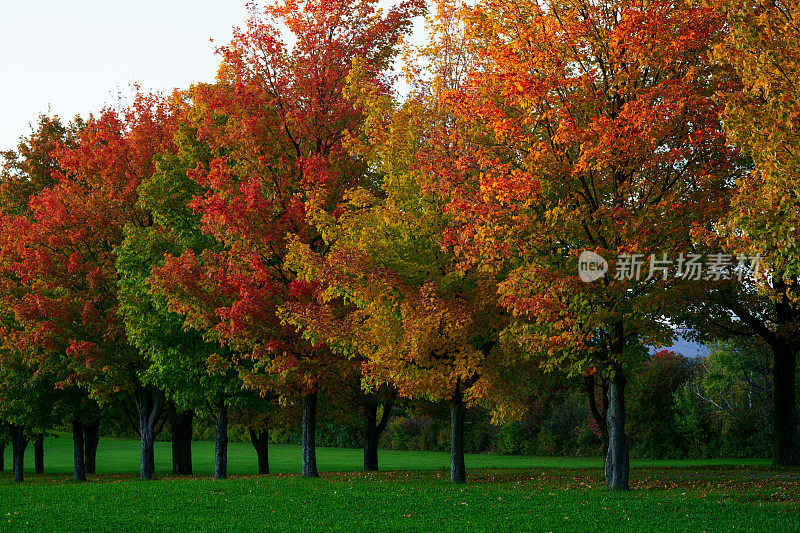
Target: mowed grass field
(412,493)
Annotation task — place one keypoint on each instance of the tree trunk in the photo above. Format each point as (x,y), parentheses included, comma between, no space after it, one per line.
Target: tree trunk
(373,429)
(221,443)
(309,452)
(148,402)
(38,454)
(786,448)
(18,444)
(260,442)
(370,436)
(604,412)
(79,451)
(147,461)
(181,428)
(458,470)
(91,434)
(617,465)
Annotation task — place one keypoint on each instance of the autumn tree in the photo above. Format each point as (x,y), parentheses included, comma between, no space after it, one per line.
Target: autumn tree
(33,165)
(195,372)
(64,256)
(337,323)
(397,301)
(603,133)
(763,118)
(276,120)
(32,402)
(421,326)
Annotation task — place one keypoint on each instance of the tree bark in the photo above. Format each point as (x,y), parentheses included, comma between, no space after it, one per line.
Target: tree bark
(91,434)
(617,465)
(458,469)
(373,429)
(370,436)
(38,454)
(786,448)
(79,451)
(309,452)
(181,429)
(221,443)
(260,440)
(149,402)
(147,461)
(18,444)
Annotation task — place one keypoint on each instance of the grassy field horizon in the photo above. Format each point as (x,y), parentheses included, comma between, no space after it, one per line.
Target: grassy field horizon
(121,456)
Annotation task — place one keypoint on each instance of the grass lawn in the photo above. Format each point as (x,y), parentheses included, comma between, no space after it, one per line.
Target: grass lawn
(412,494)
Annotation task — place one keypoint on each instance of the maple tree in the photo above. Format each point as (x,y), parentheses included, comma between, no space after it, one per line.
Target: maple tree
(390,296)
(31,402)
(418,326)
(331,320)
(603,132)
(276,120)
(197,374)
(63,254)
(296,230)
(30,168)
(763,48)
(336,323)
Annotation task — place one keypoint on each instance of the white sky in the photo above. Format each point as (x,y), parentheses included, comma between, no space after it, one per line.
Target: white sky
(76,56)
(73,57)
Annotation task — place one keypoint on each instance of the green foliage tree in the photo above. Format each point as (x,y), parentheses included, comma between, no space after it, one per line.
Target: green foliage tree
(651,405)
(725,408)
(197,374)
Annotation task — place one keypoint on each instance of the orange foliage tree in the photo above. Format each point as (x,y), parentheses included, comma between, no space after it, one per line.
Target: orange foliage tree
(597,127)
(392,296)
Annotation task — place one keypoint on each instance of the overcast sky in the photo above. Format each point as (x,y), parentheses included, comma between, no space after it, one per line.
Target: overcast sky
(75,56)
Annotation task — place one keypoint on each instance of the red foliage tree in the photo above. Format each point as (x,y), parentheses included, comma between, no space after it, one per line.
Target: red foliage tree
(277,119)
(62,254)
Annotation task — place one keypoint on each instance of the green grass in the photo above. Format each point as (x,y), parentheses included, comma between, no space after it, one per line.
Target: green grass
(411,494)
(121,456)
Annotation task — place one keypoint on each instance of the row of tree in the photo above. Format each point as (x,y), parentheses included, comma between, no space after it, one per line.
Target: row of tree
(296,230)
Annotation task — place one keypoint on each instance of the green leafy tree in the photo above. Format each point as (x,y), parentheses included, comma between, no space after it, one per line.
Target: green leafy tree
(197,374)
